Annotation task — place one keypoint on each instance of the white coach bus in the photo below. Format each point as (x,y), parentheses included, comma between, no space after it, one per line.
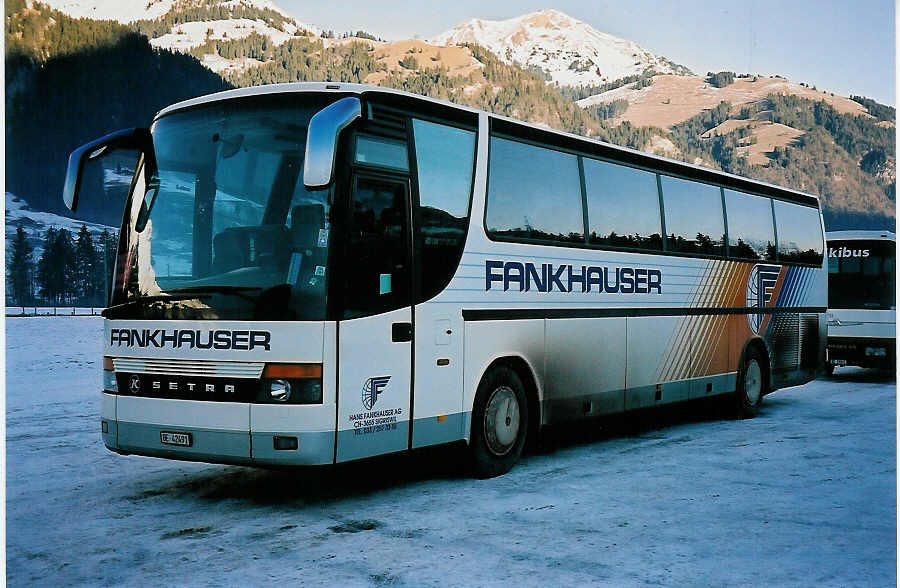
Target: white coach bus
(316,273)
(862,304)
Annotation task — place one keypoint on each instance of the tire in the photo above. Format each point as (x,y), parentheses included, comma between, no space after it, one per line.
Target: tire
(499,423)
(752,384)
(829,369)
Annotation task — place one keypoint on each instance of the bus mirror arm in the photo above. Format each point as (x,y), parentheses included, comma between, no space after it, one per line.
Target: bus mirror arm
(134,138)
(325,128)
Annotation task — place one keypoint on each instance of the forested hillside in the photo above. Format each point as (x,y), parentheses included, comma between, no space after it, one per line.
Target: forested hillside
(77,79)
(847,160)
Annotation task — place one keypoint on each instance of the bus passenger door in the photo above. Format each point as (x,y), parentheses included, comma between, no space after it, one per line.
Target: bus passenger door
(375,333)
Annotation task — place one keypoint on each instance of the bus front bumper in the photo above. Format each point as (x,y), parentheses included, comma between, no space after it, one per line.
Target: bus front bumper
(189,442)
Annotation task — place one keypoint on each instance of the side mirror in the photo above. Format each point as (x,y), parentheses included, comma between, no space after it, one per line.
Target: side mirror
(321,140)
(138,139)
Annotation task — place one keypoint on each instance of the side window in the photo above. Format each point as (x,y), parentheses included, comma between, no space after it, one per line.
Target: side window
(377,277)
(751,228)
(533,193)
(799,233)
(445,157)
(390,153)
(623,206)
(694,220)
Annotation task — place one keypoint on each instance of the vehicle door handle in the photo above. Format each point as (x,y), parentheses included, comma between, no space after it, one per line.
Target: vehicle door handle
(401,332)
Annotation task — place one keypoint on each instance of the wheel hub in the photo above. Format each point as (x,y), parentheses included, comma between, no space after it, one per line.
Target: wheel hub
(753,382)
(501,420)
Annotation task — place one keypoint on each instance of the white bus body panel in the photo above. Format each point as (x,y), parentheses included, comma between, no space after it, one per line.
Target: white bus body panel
(438,381)
(374,380)
(585,367)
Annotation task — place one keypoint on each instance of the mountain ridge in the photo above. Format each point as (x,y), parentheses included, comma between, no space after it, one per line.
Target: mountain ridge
(570,52)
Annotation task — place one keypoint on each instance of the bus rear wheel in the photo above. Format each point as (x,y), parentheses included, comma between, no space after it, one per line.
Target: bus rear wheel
(751,384)
(499,422)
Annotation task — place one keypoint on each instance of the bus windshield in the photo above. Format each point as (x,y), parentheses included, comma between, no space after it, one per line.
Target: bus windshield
(226,228)
(861,274)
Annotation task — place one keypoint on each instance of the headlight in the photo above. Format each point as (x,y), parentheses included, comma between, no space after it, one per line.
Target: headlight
(288,383)
(279,390)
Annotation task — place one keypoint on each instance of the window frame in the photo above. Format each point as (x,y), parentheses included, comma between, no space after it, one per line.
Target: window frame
(503,239)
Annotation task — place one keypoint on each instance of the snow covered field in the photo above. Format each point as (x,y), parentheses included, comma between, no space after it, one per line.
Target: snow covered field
(802,495)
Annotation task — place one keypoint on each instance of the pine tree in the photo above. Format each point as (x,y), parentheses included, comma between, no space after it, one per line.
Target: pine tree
(64,262)
(20,269)
(45,268)
(85,266)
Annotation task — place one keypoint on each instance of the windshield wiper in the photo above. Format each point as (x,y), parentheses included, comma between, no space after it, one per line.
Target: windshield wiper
(235,290)
(146,299)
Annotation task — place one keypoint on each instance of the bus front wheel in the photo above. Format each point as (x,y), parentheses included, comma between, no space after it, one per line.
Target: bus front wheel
(751,384)
(499,422)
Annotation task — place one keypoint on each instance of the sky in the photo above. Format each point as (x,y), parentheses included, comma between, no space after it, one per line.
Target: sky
(844,47)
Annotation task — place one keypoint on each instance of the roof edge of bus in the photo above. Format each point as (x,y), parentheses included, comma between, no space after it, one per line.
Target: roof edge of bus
(341,87)
(859,235)
(296,87)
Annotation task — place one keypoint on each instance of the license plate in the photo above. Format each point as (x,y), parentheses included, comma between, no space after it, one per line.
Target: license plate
(182,439)
(839,361)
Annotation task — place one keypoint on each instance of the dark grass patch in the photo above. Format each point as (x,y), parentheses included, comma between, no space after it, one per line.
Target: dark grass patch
(356,526)
(188,532)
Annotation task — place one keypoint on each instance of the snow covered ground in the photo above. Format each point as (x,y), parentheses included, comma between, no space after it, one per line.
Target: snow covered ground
(802,495)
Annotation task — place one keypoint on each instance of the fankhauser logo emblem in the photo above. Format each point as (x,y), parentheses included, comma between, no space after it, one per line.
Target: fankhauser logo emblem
(760,288)
(134,384)
(371,389)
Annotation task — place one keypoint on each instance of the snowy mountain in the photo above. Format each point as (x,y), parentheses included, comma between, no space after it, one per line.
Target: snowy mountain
(570,52)
(181,25)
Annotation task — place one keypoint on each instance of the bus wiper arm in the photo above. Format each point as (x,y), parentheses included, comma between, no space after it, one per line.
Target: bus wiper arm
(107,312)
(238,291)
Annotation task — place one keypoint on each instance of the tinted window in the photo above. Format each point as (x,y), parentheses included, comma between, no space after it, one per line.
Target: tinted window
(694,221)
(799,233)
(382,152)
(623,206)
(377,253)
(444,161)
(534,193)
(751,229)
(861,274)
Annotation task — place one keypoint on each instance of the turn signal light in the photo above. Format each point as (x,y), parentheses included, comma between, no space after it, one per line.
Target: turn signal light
(109,376)
(293,371)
